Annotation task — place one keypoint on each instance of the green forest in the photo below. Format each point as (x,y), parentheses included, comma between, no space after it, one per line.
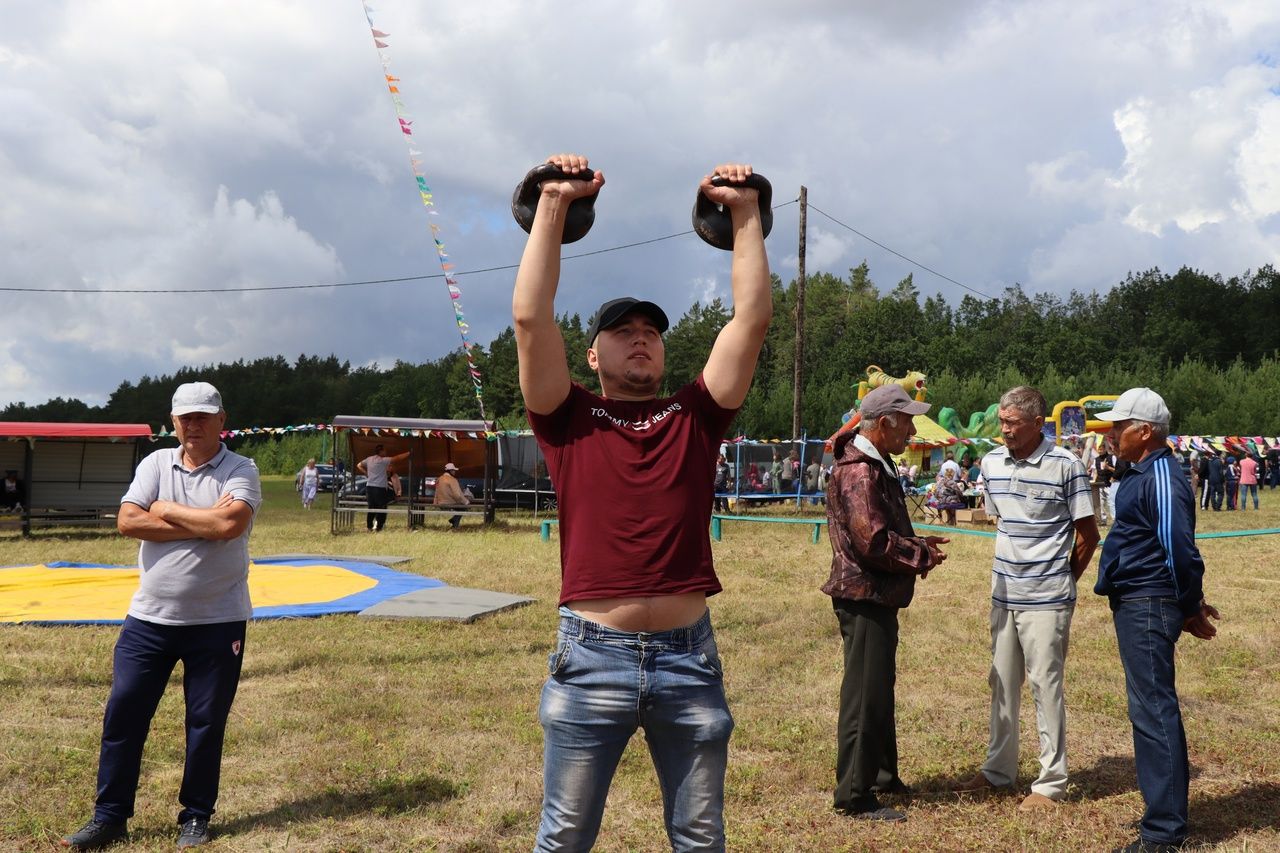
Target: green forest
(1210,345)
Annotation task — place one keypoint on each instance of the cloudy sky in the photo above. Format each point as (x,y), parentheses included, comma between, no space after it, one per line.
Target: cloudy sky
(167,146)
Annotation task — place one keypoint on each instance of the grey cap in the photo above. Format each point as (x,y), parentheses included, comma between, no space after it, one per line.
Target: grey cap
(888,399)
(1138,404)
(196,397)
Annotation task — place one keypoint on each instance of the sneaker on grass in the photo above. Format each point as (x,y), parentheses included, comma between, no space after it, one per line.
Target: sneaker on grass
(194,832)
(95,836)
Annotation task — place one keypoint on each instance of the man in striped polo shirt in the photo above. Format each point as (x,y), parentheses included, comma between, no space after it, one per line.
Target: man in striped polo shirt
(1046,536)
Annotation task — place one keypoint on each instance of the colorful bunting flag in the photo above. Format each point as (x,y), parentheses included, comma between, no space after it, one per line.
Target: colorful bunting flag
(380,41)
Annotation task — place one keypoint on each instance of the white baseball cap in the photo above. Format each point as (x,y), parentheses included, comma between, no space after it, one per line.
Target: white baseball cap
(449,466)
(1138,404)
(196,397)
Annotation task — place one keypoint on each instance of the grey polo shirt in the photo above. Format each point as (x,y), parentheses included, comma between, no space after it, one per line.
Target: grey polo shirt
(1038,500)
(376,471)
(194,581)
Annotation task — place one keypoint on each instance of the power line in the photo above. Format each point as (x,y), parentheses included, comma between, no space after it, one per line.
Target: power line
(400,280)
(899,254)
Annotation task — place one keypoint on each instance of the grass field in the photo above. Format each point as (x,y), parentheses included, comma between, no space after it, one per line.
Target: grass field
(353,735)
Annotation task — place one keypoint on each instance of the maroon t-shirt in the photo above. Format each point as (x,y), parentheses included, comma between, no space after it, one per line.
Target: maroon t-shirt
(634,483)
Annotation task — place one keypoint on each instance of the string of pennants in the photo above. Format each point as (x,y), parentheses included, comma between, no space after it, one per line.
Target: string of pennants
(424,193)
(1255,444)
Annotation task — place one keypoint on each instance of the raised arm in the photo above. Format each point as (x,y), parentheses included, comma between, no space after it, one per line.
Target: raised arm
(544,371)
(732,362)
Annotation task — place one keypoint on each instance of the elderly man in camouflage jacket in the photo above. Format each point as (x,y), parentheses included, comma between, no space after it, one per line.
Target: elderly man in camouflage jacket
(876,558)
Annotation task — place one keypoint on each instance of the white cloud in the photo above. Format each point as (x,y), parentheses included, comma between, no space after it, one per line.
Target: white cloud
(150,144)
(1189,157)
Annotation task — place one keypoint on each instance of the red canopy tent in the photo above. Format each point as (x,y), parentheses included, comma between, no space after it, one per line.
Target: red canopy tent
(35,429)
(71,473)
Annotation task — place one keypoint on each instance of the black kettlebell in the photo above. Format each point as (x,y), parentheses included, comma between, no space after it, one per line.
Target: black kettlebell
(715,225)
(582,211)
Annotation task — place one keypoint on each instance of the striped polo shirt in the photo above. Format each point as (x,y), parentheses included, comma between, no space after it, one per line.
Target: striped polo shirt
(1037,500)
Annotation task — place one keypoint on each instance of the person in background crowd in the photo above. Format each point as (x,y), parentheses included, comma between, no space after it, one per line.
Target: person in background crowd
(950,464)
(1100,485)
(948,494)
(1217,479)
(1200,478)
(379,469)
(720,503)
(12,493)
(812,477)
(1248,481)
(307,481)
(449,493)
(1231,473)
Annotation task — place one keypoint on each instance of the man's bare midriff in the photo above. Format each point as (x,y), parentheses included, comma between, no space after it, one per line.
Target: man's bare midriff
(648,613)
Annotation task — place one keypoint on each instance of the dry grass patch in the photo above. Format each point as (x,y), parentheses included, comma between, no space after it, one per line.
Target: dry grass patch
(352,735)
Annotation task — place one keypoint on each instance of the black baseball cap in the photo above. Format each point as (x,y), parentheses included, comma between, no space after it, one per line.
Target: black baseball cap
(612,312)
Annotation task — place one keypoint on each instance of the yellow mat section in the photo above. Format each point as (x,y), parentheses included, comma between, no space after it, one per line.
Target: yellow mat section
(41,593)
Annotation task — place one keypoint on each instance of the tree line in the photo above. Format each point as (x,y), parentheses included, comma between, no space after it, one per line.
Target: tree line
(1210,345)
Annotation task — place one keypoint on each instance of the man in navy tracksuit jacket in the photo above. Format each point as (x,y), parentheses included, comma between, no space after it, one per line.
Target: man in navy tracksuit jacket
(1152,572)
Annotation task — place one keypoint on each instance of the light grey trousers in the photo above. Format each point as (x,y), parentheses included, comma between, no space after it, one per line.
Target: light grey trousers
(1029,644)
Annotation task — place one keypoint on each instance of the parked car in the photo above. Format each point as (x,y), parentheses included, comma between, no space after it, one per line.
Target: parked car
(359,486)
(329,479)
(517,490)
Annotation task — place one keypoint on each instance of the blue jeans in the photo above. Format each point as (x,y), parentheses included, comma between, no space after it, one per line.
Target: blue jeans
(1147,630)
(603,685)
(1245,491)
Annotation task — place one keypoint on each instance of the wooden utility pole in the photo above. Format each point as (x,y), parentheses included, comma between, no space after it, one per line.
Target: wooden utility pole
(797,391)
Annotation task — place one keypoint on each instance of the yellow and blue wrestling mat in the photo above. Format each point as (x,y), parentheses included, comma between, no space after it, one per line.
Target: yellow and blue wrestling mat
(94,594)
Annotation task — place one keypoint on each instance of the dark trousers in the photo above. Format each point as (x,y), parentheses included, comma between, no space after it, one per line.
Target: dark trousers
(145,656)
(1147,631)
(1233,490)
(377,498)
(1216,492)
(866,737)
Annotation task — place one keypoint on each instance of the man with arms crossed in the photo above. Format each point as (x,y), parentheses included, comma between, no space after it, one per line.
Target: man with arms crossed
(876,558)
(192,507)
(633,477)
(1041,494)
(1153,575)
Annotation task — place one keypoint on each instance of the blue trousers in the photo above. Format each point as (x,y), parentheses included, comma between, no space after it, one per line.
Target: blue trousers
(1147,631)
(145,656)
(603,685)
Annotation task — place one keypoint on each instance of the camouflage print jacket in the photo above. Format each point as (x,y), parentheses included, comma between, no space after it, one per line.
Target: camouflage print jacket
(876,555)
